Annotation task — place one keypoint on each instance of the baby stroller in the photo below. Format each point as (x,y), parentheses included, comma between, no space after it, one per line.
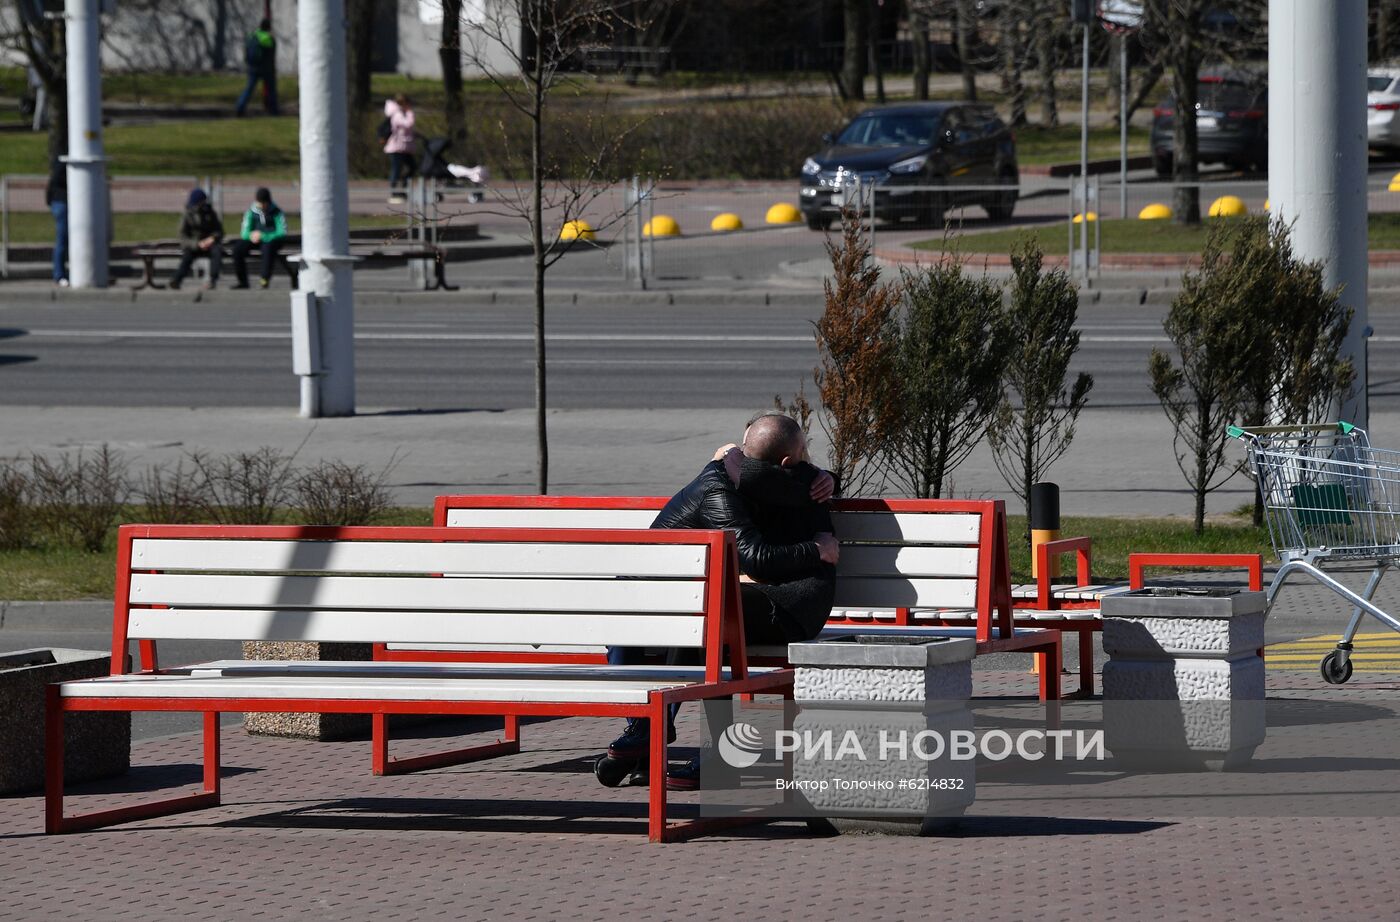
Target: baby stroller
(435,165)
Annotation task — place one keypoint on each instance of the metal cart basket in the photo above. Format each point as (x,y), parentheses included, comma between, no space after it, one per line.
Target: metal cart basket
(1333,501)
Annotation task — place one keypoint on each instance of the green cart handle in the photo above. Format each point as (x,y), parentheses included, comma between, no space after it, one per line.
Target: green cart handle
(1236,432)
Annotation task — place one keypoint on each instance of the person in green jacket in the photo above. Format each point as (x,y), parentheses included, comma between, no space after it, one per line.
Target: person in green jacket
(260,54)
(264,228)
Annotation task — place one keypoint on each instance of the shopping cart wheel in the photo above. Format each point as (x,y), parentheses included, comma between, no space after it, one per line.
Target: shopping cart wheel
(1335,671)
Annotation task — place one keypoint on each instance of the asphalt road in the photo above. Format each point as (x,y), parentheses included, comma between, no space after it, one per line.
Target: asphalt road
(453,355)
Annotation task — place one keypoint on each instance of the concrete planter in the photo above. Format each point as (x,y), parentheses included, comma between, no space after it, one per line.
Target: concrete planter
(1184,684)
(323,727)
(868,690)
(96,745)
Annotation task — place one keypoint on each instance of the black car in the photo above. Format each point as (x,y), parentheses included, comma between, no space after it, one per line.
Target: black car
(919,144)
(1232,124)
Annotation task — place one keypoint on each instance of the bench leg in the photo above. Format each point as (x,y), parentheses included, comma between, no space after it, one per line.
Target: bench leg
(1049,661)
(440,276)
(384,765)
(656,806)
(1086,664)
(56,822)
(148,274)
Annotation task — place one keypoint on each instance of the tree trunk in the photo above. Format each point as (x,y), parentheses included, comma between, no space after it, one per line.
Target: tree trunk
(1203,440)
(1146,84)
(537,241)
(1383,14)
(1045,63)
(1011,64)
(359,47)
(853,50)
(450,56)
(1187,198)
(918,27)
(966,29)
(218,56)
(873,32)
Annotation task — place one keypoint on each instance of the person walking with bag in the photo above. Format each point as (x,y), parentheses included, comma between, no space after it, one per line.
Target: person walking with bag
(399,144)
(260,53)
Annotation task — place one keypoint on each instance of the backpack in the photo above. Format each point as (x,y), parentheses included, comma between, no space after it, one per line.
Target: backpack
(384,130)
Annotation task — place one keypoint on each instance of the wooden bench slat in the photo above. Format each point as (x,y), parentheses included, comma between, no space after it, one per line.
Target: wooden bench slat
(906,592)
(414,627)
(232,668)
(673,560)
(874,560)
(390,594)
(551,518)
(911,527)
(366,689)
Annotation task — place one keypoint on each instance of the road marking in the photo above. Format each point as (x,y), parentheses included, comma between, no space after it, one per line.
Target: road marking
(426,337)
(1374,652)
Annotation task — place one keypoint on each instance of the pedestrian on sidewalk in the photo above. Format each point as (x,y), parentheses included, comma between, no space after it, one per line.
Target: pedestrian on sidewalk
(265,229)
(399,144)
(56,197)
(260,55)
(201,237)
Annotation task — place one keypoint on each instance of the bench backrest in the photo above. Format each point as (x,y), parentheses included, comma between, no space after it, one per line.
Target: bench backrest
(895,553)
(386,585)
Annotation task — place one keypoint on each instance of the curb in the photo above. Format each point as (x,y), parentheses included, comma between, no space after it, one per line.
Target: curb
(80,615)
(1378,259)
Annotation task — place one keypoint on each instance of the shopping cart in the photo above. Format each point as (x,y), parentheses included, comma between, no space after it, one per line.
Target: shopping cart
(1331,500)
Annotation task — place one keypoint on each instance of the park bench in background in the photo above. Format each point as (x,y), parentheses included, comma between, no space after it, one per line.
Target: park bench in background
(372,585)
(392,256)
(148,253)
(905,565)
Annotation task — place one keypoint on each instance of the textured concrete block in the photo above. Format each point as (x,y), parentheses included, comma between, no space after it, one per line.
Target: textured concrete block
(96,744)
(300,725)
(889,790)
(1158,637)
(1183,602)
(880,668)
(1184,713)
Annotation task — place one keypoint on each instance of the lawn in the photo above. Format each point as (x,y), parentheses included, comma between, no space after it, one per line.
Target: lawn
(1043,146)
(134,227)
(62,573)
(1129,236)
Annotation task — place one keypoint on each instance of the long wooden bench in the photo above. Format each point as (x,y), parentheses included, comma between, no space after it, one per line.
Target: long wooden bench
(905,565)
(376,585)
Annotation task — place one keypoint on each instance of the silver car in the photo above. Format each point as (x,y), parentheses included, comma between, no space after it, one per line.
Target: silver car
(1383,108)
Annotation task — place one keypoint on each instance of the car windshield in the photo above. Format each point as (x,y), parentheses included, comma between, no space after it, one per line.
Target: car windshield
(1378,84)
(888,129)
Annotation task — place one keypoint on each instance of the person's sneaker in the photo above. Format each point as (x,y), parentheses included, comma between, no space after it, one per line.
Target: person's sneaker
(397,199)
(174,286)
(684,777)
(635,741)
(262,283)
(62,283)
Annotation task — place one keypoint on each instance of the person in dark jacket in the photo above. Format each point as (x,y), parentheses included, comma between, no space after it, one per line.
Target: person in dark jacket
(56,197)
(264,228)
(260,55)
(774,500)
(201,237)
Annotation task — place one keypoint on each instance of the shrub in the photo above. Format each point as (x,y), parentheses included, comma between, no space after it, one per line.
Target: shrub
(172,495)
(335,493)
(78,497)
(16,514)
(243,488)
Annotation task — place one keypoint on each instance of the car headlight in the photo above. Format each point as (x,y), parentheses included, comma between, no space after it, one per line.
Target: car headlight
(810,167)
(912,165)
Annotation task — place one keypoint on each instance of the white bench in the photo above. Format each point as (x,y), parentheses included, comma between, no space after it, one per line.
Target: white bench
(374,585)
(904,563)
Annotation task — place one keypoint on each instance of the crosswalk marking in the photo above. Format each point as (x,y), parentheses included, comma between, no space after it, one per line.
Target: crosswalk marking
(1376,652)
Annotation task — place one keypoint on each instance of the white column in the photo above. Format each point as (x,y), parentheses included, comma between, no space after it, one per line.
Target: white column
(325,204)
(87,172)
(1317,152)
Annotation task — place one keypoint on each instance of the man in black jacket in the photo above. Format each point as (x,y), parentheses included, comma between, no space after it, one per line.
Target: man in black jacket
(201,237)
(773,499)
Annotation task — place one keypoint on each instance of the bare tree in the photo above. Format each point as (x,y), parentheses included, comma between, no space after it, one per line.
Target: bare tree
(965,19)
(522,48)
(1013,59)
(1049,21)
(918,30)
(450,56)
(39,40)
(359,55)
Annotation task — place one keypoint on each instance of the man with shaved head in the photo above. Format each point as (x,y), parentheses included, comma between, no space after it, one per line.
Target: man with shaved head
(774,500)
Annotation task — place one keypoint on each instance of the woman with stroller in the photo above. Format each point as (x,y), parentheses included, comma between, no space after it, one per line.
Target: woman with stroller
(399,145)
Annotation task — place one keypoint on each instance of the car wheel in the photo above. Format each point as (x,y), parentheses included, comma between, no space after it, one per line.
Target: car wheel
(819,222)
(1162,166)
(1002,204)
(933,207)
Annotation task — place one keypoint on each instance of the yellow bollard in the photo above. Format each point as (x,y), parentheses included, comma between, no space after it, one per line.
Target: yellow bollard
(728,221)
(1154,212)
(661,226)
(783,213)
(577,230)
(1228,206)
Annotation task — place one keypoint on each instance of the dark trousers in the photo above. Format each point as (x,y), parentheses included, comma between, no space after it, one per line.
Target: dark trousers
(269,82)
(60,239)
(269,251)
(401,168)
(215,255)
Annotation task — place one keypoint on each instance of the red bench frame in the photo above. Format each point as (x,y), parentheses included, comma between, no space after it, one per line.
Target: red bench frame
(724,646)
(994,632)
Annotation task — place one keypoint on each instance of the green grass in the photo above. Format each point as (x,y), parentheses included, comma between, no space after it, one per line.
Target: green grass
(56,573)
(1132,236)
(62,573)
(1043,146)
(136,227)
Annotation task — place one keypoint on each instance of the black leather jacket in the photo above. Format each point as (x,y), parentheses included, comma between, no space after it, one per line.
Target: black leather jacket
(712,501)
